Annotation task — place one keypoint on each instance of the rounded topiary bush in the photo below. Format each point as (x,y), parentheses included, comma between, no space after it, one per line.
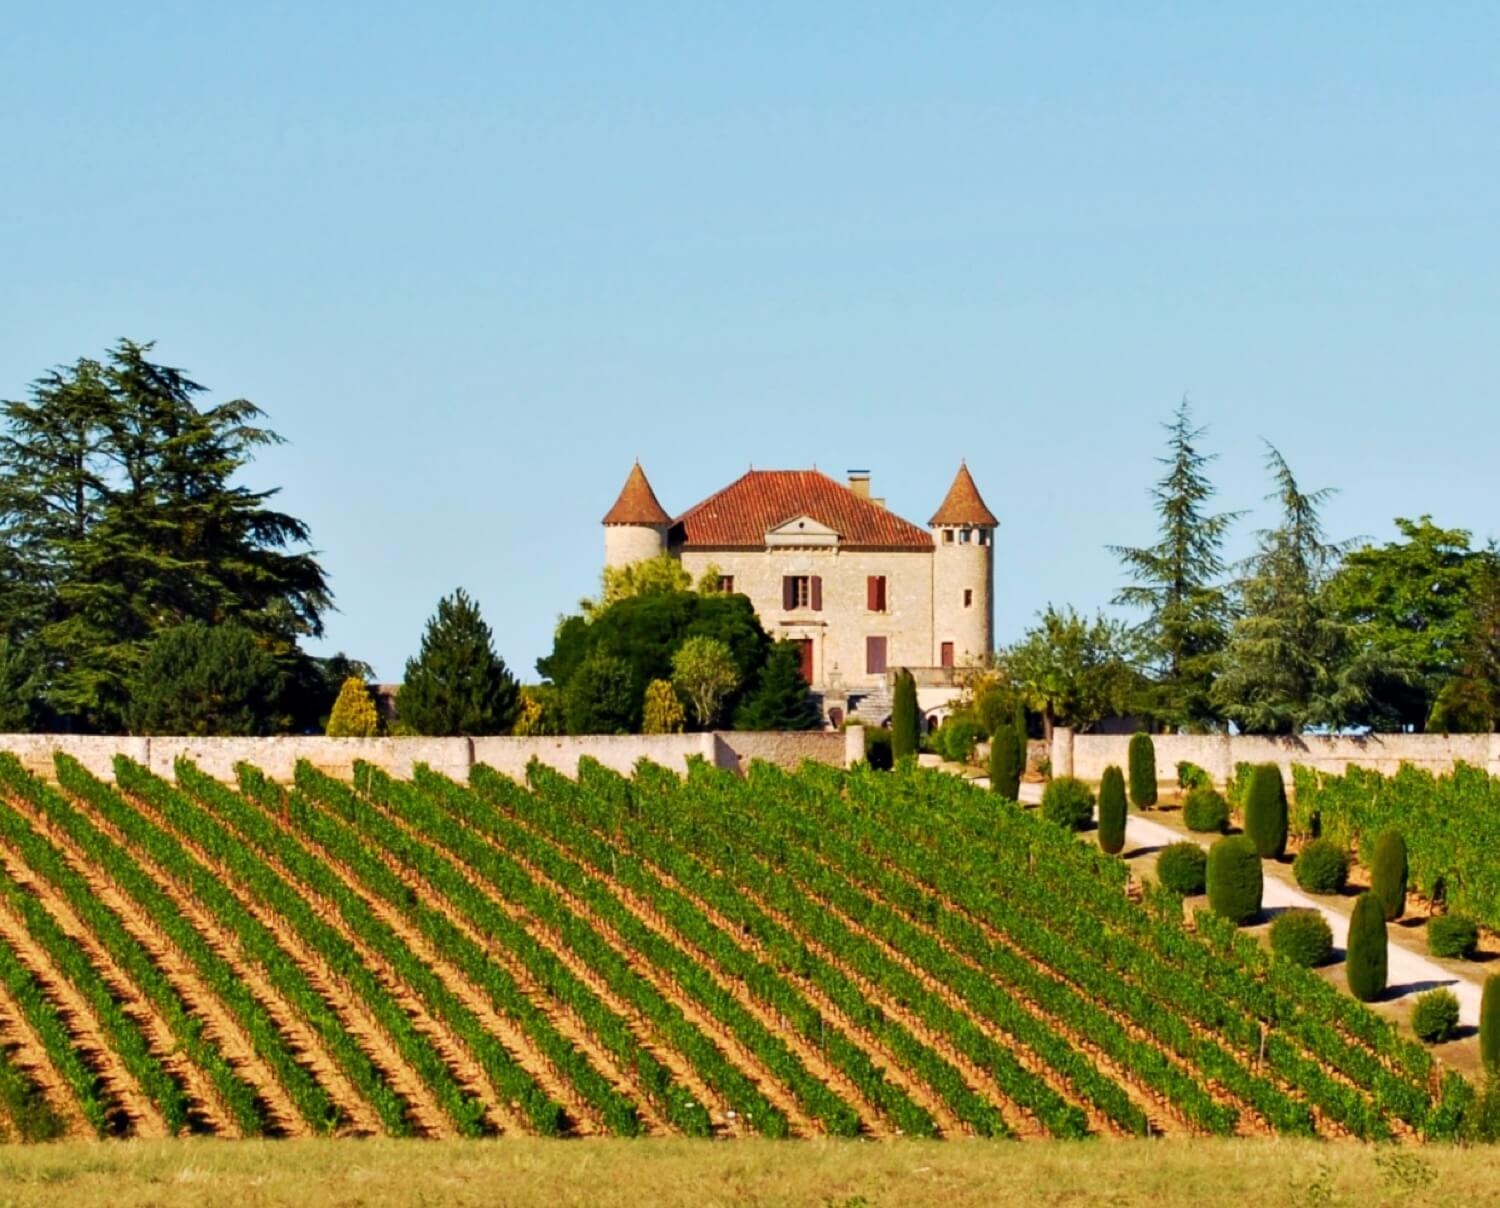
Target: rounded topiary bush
(1434,1018)
(1180,868)
(1068,802)
(1321,867)
(1234,879)
(1005,767)
(1206,811)
(1366,962)
(1489,1025)
(1112,811)
(1142,771)
(1265,812)
(1303,937)
(1452,935)
(1388,872)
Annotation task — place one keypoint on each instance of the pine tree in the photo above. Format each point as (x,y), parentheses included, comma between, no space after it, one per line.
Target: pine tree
(207,680)
(1367,957)
(906,718)
(1177,581)
(1005,769)
(457,684)
(781,698)
(353,714)
(661,712)
(1112,811)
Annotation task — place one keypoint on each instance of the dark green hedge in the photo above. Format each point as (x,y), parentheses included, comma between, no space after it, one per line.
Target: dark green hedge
(1366,962)
(1452,935)
(1265,812)
(1388,872)
(1068,802)
(1322,867)
(1234,879)
(1112,811)
(1180,868)
(1205,811)
(1303,937)
(1142,771)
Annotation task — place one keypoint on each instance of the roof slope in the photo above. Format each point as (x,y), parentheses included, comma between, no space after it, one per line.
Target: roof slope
(759,500)
(963,504)
(637,503)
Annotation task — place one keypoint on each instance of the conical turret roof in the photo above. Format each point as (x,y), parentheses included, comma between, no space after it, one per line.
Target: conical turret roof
(963,503)
(637,503)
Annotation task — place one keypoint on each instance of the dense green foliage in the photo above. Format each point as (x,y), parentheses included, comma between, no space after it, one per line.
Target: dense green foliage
(1073,671)
(1389,871)
(1302,937)
(1112,811)
(1322,867)
(1005,767)
(906,717)
(1452,935)
(1368,958)
(602,697)
(1450,824)
(1489,1025)
(457,684)
(705,675)
(1142,760)
(661,712)
(779,698)
(122,515)
(199,680)
(1205,810)
(1234,879)
(1434,1016)
(353,714)
(1191,776)
(1182,868)
(1068,802)
(1265,812)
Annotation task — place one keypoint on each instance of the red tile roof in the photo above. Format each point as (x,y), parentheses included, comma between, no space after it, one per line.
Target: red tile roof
(963,504)
(637,503)
(740,514)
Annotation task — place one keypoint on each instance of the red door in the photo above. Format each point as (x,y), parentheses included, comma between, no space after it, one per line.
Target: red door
(874,656)
(804,648)
(947,654)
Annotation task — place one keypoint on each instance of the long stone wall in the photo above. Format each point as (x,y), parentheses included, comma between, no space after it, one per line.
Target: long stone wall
(278,757)
(1087,755)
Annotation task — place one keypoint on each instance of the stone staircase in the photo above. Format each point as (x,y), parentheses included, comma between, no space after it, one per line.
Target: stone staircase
(872,705)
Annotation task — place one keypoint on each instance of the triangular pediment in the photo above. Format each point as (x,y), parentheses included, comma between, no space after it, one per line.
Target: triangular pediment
(801,530)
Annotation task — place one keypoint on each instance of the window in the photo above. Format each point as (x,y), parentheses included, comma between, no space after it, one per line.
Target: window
(984,536)
(968,597)
(875,593)
(964,535)
(802,591)
(726,584)
(947,536)
(947,654)
(875,656)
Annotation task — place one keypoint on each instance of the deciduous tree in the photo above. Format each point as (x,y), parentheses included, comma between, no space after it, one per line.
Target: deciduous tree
(704,671)
(1072,671)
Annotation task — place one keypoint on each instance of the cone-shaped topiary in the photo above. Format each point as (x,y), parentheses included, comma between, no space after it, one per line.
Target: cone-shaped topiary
(661,712)
(1489,1025)
(1452,935)
(1388,872)
(353,714)
(1018,723)
(1234,879)
(1067,801)
(1322,867)
(1142,771)
(906,718)
(1005,772)
(1112,811)
(1181,867)
(1265,812)
(1205,810)
(1367,958)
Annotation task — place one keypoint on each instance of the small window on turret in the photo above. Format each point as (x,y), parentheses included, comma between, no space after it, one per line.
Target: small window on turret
(968,597)
(947,536)
(984,536)
(964,535)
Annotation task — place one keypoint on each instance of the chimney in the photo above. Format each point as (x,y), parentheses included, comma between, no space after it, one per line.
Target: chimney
(859,483)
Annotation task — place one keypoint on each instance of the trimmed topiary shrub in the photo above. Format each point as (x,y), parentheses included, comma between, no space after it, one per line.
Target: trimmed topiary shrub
(1489,1025)
(1068,802)
(1452,935)
(956,738)
(1388,872)
(1434,1018)
(1234,879)
(1265,812)
(1366,962)
(1142,771)
(1180,868)
(1205,811)
(1112,811)
(1303,937)
(906,718)
(1322,867)
(1191,776)
(1005,771)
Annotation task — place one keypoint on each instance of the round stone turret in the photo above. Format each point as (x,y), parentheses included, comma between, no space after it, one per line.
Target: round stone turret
(635,529)
(963,575)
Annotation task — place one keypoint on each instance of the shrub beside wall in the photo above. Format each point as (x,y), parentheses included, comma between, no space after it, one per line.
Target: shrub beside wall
(1068,802)
(1388,872)
(1205,811)
(1112,811)
(1234,878)
(1322,867)
(1142,760)
(1265,812)
(1367,960)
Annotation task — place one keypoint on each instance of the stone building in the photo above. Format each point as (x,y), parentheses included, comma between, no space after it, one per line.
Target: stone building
(862,591)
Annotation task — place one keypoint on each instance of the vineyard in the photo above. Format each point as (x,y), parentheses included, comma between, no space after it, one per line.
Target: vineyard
(826,953)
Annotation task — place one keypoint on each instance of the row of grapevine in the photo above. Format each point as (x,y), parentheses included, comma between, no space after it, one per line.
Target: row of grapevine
(35,1119)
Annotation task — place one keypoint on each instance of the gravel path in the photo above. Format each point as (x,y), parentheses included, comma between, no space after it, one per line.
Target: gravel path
(1410,972)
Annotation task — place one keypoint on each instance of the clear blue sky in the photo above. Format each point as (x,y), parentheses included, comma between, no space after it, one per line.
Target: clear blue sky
(474,258)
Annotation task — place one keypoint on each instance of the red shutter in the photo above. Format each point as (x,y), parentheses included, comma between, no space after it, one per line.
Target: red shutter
(880,580)
(817,593)
(788,592)
(874,656)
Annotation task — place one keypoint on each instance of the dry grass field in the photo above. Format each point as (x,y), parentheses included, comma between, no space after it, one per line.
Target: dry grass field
(668,1171)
